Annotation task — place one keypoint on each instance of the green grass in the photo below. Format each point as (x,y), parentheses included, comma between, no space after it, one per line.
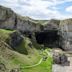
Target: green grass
(4,34)
(21,48)
(45,66)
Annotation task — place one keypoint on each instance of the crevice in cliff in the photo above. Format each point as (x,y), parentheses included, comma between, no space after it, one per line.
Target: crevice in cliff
(15,25)
(48,38)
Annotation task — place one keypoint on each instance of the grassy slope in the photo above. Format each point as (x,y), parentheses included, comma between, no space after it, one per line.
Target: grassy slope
(13,59)
(45,66)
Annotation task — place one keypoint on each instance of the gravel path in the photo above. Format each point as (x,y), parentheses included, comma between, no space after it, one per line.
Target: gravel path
(59,68)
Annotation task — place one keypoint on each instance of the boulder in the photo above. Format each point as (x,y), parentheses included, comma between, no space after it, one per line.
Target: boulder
(63,58)
(15,39)
(59,58)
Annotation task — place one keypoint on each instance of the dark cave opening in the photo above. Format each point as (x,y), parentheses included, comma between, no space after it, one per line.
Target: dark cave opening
(48,38)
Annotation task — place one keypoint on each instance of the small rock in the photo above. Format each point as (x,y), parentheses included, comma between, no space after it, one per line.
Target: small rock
(15,39)
(56,58)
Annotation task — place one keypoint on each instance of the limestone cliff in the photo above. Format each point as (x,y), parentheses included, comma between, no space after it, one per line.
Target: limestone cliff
(66,34)
(52,25)
(50,32)
(7,18)
(10,20)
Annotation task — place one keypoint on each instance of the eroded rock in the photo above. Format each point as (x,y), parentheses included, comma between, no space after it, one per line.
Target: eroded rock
(15,39)
(59,58)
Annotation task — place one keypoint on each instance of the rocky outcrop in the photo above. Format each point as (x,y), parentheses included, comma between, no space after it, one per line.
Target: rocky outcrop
(59,31)
(10,20)
(52,25)
(59,58)
(27,25)
(66,34)
(49,34)
(15,39)
(7,18)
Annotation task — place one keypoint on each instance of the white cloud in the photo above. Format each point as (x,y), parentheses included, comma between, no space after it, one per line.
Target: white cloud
(11,1)
(69,9)
(37,9)
(61,1)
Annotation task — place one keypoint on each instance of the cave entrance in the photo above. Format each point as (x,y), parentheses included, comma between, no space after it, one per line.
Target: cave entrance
(48,38)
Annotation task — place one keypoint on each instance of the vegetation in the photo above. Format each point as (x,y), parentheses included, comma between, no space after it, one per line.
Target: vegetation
(31,57)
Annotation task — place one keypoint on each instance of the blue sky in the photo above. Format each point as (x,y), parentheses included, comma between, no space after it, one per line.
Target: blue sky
(41,9)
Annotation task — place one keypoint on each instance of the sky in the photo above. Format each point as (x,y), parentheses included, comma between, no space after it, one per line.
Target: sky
(41,9)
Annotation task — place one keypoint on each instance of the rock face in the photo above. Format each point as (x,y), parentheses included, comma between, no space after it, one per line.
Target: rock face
(66,34)
(58,33)
(49,35)
(27,25)
(15,39)
(10,20)
(52,25)
(7,18)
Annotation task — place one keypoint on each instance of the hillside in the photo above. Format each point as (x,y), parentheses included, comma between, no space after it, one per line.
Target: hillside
(13,59)
(26,44)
